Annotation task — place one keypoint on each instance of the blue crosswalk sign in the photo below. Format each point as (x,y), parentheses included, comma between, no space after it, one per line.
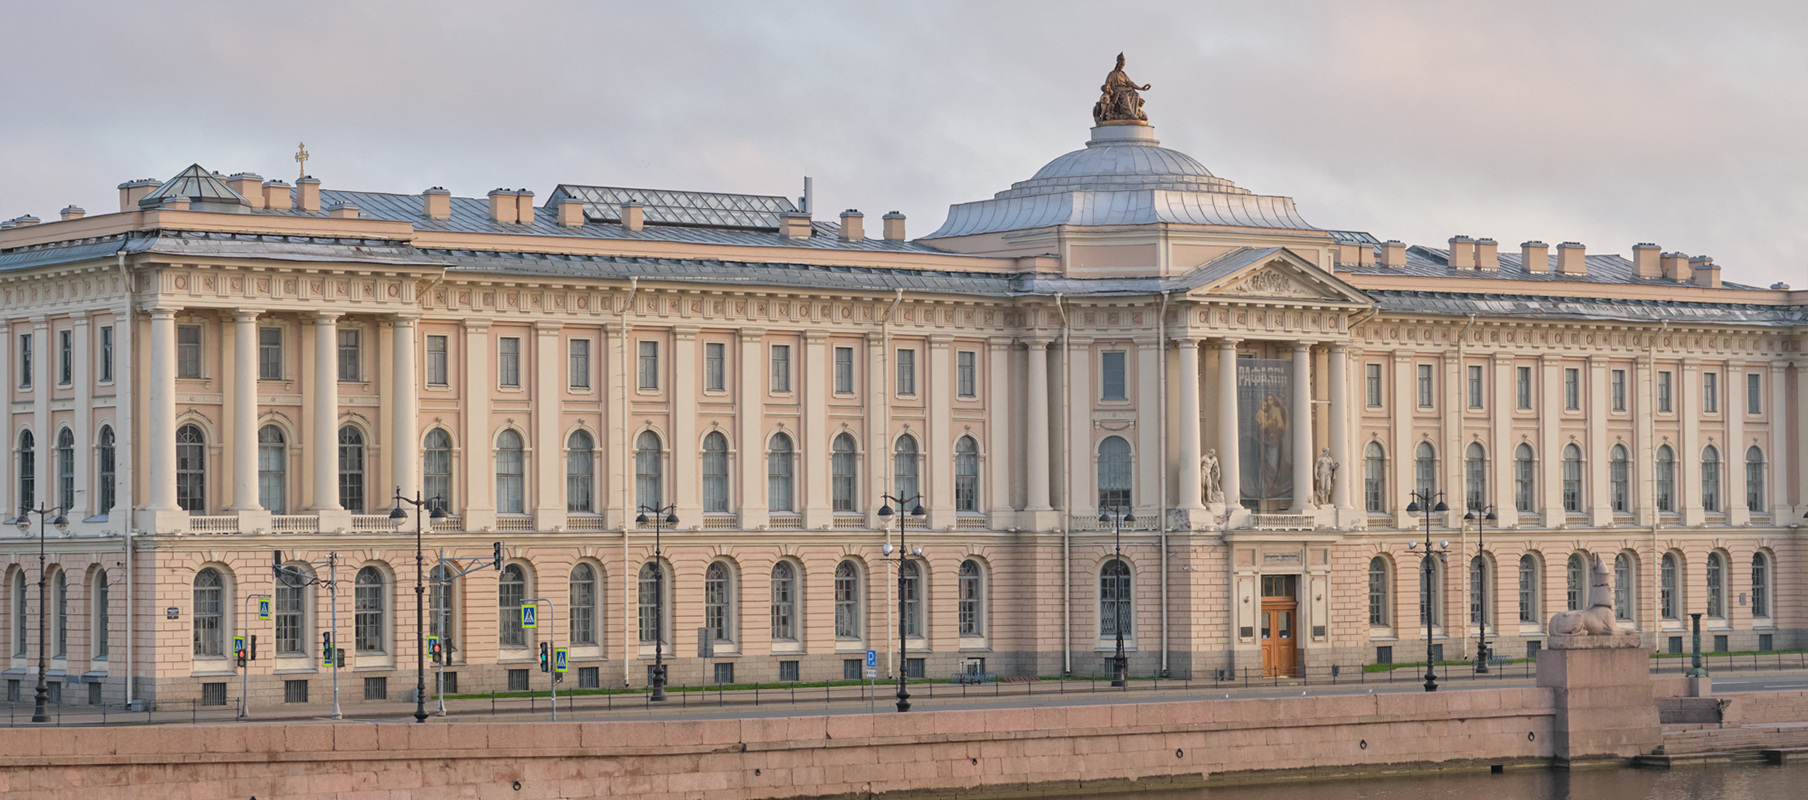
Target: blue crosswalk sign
(558,659)
(528,616)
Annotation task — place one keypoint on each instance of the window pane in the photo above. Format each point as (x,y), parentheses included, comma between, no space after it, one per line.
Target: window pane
(348,356)
(779,484)
(907,372)
(842,465)
(269,354)
(844,370)
(580,474)
(966,474)
(966,373)
(649,365)
(351,469)
(510,474)
(580,363)
(715,368)
(781,368)
(511,588)
(508,361)
(1112,369)
(188,351)
(436,361)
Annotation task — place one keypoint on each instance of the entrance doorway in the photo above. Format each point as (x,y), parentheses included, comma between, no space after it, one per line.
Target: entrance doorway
(1280,626)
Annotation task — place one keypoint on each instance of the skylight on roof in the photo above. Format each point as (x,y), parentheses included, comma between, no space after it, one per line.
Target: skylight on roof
(667,207)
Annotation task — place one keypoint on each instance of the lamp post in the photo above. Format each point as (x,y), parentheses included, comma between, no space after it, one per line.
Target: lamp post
(1480,514)
(397,515)
(668,516)
(39,713)
(1120,664)
(1422,506)
(916,510)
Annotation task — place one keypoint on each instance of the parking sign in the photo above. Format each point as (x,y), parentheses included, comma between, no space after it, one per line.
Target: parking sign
(872,664)
(528,616)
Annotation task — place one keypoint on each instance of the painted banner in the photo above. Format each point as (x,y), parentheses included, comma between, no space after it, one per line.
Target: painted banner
(1265,431)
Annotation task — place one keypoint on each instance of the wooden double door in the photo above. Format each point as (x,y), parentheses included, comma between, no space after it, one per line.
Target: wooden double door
(1279,626)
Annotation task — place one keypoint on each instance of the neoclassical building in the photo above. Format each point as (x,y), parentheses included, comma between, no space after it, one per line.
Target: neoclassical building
(1127,394)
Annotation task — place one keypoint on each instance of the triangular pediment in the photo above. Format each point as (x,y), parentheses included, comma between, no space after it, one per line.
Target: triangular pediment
(1271,274)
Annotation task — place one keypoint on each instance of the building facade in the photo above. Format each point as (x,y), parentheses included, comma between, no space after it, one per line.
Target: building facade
(1128,396)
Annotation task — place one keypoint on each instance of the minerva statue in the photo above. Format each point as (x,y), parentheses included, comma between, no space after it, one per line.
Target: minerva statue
(1326,474)
(1214,486)
(1118,98)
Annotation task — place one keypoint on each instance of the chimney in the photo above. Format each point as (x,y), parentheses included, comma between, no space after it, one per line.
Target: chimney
(633,216)
(307,192)
(343,210)
(894,227)
(20,222)
(794,225)
(1675,266)
(502,205)
(1462,252)
(436,203)
(1535,256)
(1645,256)
(1703,272)
(249,185)
(1348,253)
(571,212)
(174,203)
(1572,258)
(853,225)
(276,196)
(524,207)
(1487,255)
(72,212)
(1393,253)
(131,192)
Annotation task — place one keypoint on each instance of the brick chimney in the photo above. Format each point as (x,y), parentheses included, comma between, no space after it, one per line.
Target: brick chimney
(250,186)
(633,216)
(1645,257)
(277,196)
(502,206)
(524,207)
(1487,255)
(794,225)
(894,227)
(1535,256)
(1675,266)
(22,221)
(307,192)
(1572,258)
(131,192)
(1703,272)
(72,212)
(436,203)
(853,225)
(571,213)
(1462,252)
(343,209)
(1393,253)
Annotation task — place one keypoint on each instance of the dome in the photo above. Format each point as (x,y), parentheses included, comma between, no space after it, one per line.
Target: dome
(1121,158)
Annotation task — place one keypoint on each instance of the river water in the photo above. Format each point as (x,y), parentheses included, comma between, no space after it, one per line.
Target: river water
(1733,782)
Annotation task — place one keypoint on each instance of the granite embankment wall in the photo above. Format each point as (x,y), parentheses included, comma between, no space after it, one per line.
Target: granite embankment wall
(1067,748)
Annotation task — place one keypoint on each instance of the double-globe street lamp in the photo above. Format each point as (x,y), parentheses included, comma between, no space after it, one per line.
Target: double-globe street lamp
(1423,506)
(666,515)
(916,510)
(433,506)
(1480,514)
(39,713)
(1118,516)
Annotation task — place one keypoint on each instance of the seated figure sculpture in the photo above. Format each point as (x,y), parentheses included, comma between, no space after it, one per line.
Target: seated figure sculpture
(1597,618)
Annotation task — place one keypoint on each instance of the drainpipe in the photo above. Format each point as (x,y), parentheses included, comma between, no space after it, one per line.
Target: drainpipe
(1161,511)
(629,650)
(124,346)
(893,661)
(1067,494)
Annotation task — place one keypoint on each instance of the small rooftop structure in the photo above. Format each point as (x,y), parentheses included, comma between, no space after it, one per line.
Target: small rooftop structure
(687,209)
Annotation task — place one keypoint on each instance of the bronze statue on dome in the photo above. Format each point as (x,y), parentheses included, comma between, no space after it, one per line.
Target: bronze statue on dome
(1119,102)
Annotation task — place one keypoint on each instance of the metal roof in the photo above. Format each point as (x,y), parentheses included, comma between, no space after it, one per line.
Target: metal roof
(667,207)
(196,184)
(1586,308)
(1432,262)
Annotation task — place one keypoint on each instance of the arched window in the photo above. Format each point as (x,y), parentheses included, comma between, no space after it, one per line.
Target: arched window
(904,468)
(1115,600)
(28,470)
(651,583)
(842,465)
(966,474)
(1425,469)
(272,470)
(784,602)
(368,609)
(210,613)
(1754,480)
(1430,610)
(583,605)
(1114,473)
(108,493)
(191,470)
(1666,586)
(715,473)
(102,614)
(1666,479)
(780,486)
(1528,589)
(436,471)
(1378,615)
(1374,478)
(1575,590)
(847,601)
(972,600)
(1524,474)
(351,469)
(1619,488)
(1572,479)
(1760,586)
(1475,476)
(1623,586)
(1710,479)
(290,609)
(1716,574)
(580,474)
(1481,587)
(59,600)
(910,588)
(511,589)
(511,474)
(441,611)
(65,453)
(716,599)
(649,471)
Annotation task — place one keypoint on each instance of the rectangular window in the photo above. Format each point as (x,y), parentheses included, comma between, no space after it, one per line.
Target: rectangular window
(844,370)
(781,368)
(1523,387)
(436,361)
(579,356)
(350,366)
(850,671)
(1754,392)
(725,673)
(649,365)
(376,688)
(508,361)
(213,694)
(1710,392)
(65,358)
(269,354)
(106,353)
(1572,389)
(25,361)
(589,677)
(1372,384)
(966,373)
(295,691)
(1475,387)
(188,351)
(787,671)
(1111,365)
(1663,392)
(1425,391)
(715,367)
(907,372)
(1619,390)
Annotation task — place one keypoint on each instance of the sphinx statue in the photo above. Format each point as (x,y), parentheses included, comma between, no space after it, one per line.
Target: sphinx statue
(1597,618)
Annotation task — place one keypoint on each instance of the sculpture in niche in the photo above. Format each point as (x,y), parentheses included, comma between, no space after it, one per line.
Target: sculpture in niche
(1119,102)
(1325,475)
(1214,477)
(1597,618)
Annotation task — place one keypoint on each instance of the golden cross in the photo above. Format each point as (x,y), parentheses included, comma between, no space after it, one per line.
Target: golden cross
(301,157)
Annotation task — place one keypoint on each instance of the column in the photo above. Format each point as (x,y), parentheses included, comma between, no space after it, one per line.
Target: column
(1776,457)
(1303,455)
(1191,484)
(81,422)
(1644,471)
(475,452)
(938,435)
(1548,465)
(1079,491)
(877,465)
(1339,431)
(1152,458)
(1229,459)
(1688,452)
(1734,452)
(241,408)
(1600,505)
(404,433)
(323,439)
(815,384)
(750,460)
(548,473)
(1037,429)
(163,515)
(1501,444)
(998,430)
(1455,448)
(1402,482)
(44,380)
(687,457)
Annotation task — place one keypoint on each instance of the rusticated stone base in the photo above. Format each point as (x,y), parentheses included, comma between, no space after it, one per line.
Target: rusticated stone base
(1603,695)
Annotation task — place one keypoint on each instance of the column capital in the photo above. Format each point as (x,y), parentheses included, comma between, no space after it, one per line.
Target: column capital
(246,314)
(475,325)
(752,334)
(404,319)
(1185,338)
(874,337)
(1778,367)
(816,336)
(324,317)
(1036,341)
(1228,342)
(1334,347)
(1302,346)
(685,333)
(1402,356)
(1500,357)
(941,341)
(1550,359)
(548,327)
(77,317)
(997,343)
(162,312)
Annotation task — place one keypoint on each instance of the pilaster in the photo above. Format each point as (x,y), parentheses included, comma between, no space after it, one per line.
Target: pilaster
(477,449)
(750,460)
(687,456)
(1734,452)
(1688,454)
(1500,440)
(1547,462)
(1191,499)
(548,474)
(815,384)
(1600,504)
(939,434)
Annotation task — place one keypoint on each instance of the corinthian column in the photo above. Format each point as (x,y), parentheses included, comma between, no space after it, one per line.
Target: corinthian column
(242,408)
(1229,448)
(1302,427)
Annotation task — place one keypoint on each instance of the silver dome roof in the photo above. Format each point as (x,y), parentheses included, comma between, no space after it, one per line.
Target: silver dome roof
(1121,158)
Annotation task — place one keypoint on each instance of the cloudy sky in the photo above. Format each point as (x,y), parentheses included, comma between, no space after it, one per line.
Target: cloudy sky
(1603,123)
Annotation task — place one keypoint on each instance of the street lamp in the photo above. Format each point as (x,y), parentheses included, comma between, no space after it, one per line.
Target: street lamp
(1480,514)
(1422,501)
(668,516)
(1117,516)
(916,510)
(39,713)
(397,515)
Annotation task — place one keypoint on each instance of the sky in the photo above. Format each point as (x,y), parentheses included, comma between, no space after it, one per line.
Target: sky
(1606,123)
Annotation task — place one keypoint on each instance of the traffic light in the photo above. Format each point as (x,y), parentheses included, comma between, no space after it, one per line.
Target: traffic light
(238,649)
(326,647)
(276,563)
(498,562)
(433,648)
(254,647)
(545,657)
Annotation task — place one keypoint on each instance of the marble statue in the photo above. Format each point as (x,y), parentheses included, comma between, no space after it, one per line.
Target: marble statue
(1214,479)
(1118,98)
(1597,618)
(1325,474)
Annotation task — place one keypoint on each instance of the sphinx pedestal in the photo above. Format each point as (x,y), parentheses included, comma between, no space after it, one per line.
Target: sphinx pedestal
(1603,692)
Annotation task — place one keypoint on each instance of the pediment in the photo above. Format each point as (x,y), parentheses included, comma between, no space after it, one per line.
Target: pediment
(1274,273)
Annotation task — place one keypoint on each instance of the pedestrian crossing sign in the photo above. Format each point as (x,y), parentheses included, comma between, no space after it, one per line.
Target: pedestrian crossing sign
(528,616)
(263,608)
(559,659)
